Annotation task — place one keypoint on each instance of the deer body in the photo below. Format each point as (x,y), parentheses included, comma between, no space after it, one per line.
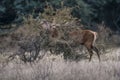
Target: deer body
(83,36)
(86,38)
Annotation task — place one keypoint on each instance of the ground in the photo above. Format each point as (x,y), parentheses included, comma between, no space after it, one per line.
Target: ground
(53,67)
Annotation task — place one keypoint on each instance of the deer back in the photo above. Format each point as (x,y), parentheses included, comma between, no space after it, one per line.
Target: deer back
(83,36)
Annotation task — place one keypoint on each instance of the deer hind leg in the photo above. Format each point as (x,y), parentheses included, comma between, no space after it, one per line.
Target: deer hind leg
(89,48)
(91,54)
(97,51)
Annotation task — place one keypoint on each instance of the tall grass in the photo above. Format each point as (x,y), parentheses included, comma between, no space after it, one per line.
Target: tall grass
(53,67)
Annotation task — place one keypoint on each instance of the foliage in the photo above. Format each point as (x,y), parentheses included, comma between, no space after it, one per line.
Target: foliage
(89,11)
(83,11)
(106,11)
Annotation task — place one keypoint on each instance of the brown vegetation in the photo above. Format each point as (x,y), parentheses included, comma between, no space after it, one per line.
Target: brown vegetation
(29,40)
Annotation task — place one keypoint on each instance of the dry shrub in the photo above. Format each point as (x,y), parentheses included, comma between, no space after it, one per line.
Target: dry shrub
(32,38)
(64,22)
(29,37)
(107,37)
(104,33)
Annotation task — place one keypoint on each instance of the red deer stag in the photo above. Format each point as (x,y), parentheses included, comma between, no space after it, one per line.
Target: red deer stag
(86,38)
(83,37)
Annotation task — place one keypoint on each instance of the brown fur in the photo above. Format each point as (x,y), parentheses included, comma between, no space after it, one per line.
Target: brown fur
(86,38)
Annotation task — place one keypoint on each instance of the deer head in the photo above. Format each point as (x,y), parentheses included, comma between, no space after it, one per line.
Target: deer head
(51,27)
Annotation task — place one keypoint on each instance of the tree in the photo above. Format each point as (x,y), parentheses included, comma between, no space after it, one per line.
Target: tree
(106,11)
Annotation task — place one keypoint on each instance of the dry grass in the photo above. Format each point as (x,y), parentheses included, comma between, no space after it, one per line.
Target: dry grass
(53,67)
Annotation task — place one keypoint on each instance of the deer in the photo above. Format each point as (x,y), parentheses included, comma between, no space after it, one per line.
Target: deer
(86,38)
